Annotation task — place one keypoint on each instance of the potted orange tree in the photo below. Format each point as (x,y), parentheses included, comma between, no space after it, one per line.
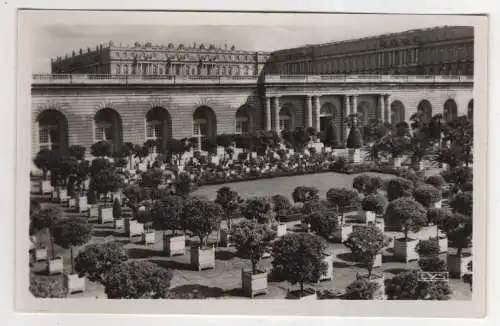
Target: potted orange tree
(69,233)
(201,218)
(230,202)
(104,182)
(167,216)
(252,240)
(342,198)
(45,219)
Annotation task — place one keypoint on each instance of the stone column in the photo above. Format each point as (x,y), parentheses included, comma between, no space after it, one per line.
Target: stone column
(268,113)
(387,108)
(309,114)
(346,112)
(316,110)
(276,107)
(354,103)
(381,107)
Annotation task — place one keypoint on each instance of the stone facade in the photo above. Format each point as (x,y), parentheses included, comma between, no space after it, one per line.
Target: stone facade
(447,50)
(158,60)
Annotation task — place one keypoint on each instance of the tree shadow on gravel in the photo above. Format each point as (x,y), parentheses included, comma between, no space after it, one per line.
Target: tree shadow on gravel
(171,264)
(195,291)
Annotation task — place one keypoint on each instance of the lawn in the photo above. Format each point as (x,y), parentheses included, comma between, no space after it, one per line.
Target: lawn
(286,185)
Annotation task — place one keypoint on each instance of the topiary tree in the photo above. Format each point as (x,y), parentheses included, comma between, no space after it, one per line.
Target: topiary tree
(230,202)
(323,222)
(342,198)
(96,260)
(435,181)
(281,205)
(398,187)
(354,139)
(201,217)
(91,197)
(139,279)
(303,194)
(427,195)
(260,209)
(105,181)
(152,178)
(167,214)
(367,184)
(330,137)
(141,152)
(69,233)
(298,258)
(183,185)
(102,148)
(458,177)
(409,214)
(45,219)
(361,289)
(438,217)
(251,240)
(374,203)
(462,203)
(44,160)
(366,243)
(429,261)
(407,286)
(458,228)
(117,209)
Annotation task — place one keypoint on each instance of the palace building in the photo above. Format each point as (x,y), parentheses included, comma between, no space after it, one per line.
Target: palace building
(141,92)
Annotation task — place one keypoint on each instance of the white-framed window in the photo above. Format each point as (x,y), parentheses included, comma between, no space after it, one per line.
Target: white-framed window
(242,125)
(285,121)
(48,137)
(103,131)
(118,69)
(154,132)
(200,131)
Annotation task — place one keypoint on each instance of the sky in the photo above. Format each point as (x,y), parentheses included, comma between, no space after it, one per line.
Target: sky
(50,35)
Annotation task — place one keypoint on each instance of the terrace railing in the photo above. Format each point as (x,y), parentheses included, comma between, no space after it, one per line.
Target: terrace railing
(366,79)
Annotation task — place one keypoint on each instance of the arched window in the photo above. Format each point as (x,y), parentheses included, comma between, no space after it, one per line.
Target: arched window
(397,112)
(450,110)
(327,113)
(285,119)
(204,125)
(425,108)
(470,110)
(158,127)
(242,121)
(52,130)
(108,127)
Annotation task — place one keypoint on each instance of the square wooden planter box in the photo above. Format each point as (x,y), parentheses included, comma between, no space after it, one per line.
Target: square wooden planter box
(40,254)
(119,224)
(426,232)
(354,155)
(133,228)
(117,195)
(396,162)
(378,261)
(82,204)
(328,275)
(225,238)
(405,250)
(75,283)
(367,216)
(253,284)
(62,195)
(438,204)
(105,215)
(280,229)
(202,258)
(380,223)
(72,203)
(93,212)
(45,187)
(174,245)
(343,233)
(148,237)
(457,266)
(443,243)
(55,266)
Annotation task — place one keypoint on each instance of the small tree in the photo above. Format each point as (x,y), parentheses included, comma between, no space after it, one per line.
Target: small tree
(429,261)
(458,228)
(427,195)
(323,222)
(373,203)
(230,202)
(409,214)
(69,233)
(167,214)
(91,197)
(251,240)
(260,209)
(45,219)
(406,286)
(366,243)
(183,185)
(398,187)
(436,181)
(462,203)
(361,289)
(342,198)
(201,217)
(330,138)
(105,181)
(298,258)
(141,152)
(303,194)
(135,195)
(96,260)
(361,182)
(43,161)
(101,149)
(117,209)
(438,217)
(458,177)
(137,280)
(281,205)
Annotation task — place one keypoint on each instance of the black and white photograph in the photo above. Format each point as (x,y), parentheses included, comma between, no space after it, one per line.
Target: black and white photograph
(189,156)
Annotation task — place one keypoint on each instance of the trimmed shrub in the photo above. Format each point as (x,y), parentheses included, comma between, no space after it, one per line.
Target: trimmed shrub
(361,289)
(432,264)
(406,286)
(462,203)
(323,222)
(201,217)
(342,198)
(427,248)
(435,181)
(43,286)
(427,195)
(95,260)
(354,139)
(398,187)
(407,213)
(374,204)
(117,209)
